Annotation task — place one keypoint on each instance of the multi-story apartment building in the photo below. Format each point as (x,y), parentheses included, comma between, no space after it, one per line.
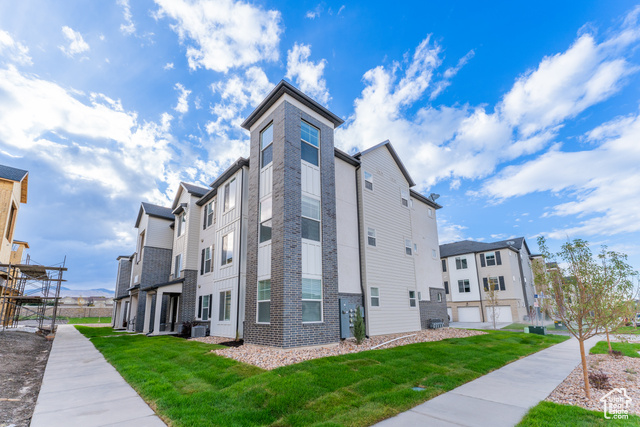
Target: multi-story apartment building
(284,245)
(470,268)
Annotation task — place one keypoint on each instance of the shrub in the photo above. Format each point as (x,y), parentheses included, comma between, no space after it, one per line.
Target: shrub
(186,329)
(359,330)
(615,354)
(599,380)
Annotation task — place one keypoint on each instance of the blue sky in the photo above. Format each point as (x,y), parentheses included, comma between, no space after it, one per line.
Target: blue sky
(524,117)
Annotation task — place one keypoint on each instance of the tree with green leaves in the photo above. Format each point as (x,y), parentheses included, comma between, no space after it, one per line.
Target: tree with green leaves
(587,292)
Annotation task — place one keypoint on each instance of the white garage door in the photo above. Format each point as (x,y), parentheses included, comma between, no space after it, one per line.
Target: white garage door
(503,314)
(468,314)
(449,314)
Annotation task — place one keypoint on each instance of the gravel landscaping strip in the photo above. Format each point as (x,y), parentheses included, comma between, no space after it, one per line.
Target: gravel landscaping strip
(622,372)
(271,358)
(211,340)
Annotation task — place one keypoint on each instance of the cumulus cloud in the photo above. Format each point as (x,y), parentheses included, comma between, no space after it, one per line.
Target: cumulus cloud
(168,66)
(224,34)
(450,73)
(183,105)
(13,50)
(76,42)
(128,27)
(307,74)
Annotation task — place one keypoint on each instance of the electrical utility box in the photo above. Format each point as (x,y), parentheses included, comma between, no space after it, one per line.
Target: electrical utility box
(347,317)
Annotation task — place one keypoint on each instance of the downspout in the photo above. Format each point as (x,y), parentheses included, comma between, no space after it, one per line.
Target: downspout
(524,289)
(479,287)
(360,244)
(239,256)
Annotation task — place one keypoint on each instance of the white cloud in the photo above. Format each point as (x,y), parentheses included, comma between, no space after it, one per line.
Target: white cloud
(306,74)
(224,34)
(341,9)
(449,74)
(313,14)
(449,232)
(76,42)
(13,50)
(128,27)
(168,66)
(183,105)
(602,182)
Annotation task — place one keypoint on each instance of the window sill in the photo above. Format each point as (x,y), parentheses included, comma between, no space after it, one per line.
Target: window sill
(263,323)
(313,323)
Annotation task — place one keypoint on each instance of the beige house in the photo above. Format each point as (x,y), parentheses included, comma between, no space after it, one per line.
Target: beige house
(470,268)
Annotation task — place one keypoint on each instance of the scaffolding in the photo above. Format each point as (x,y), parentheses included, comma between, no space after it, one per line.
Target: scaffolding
(28,290)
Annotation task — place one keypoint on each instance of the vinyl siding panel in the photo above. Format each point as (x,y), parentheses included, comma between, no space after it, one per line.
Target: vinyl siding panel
(425,236)
(347,229)
(159,234)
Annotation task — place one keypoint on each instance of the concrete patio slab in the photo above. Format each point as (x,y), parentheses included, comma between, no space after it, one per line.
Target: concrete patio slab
(80,388)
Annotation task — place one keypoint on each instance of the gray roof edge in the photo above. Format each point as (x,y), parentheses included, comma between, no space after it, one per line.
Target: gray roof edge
(194,189)
(235,167)
(395,156)
(12,174)
(424,199)
(473,246)
(346,157)
(286,87)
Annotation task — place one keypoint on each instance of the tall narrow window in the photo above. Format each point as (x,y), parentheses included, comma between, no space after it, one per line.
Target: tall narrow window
(264,301)
(208,253)
(266,140)
(430,212)
(412,298)
(310,142)
(404,196)
(209,216)
(205,307)
(265,220)
(310,218)
(311,300)
(224,313)
(177,266)
(182,223)
(12,217)
(227,249)
(461,263)
(368,181)
(230,195)
(371,236)
(444,265)
(407,246)
(140,246)
(446,287)
(375,297)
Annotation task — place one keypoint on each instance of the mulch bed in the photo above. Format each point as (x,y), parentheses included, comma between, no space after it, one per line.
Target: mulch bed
(23,356)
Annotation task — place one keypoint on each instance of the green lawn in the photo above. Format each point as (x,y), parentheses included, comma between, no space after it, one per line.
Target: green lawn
(87,320)
(188,385)
(627,349)
(519,326)
(552,414)
(629,330)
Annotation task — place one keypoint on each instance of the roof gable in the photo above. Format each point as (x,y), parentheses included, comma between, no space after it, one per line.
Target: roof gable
(395,156)
(16,175)
(154,211)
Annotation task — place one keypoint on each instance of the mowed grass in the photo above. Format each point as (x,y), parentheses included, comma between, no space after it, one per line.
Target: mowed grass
(625,330)
(87,320)
(188,385)
(552,414)
(627,349)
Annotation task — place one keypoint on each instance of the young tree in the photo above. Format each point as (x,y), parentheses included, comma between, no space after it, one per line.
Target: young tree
(492,299)
(583,290)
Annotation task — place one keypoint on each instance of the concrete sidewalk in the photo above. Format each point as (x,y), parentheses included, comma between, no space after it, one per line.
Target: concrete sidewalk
(502,397)
(80,388)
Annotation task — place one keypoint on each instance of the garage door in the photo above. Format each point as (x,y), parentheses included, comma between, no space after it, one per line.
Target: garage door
(503,314)
(468,314)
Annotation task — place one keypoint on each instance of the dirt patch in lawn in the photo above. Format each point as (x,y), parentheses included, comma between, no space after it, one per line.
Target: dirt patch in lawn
(23,358)
(622,372)
(271,357)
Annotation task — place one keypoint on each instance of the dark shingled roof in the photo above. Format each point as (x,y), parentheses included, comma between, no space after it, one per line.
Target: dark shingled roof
(470,246)
(195,190)
(158,211)
(12,174)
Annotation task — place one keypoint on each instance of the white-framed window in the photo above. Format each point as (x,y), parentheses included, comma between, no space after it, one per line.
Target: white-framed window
(408,246)
(430,212)
(434,254)
(177,268)
(493,283)
(265,220)
(224,314)
(310,218)
(404,197)
(230,195)
(461,263)
(310,143)
(266,146)
(207,260)
(311,300)
(444,265)
(490,259)
(446,287)
(264,301)
(371,236)
(140,246)
(205,307)
(439,297)
(412,298)
(209,214)
(227,249)
(368,181)
(464,286)
(374,294)
(182,223)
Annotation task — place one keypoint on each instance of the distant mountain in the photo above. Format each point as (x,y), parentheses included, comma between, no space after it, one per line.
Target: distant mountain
(100,292)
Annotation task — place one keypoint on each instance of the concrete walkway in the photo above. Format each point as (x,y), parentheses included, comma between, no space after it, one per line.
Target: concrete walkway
(80,388)
(502,397)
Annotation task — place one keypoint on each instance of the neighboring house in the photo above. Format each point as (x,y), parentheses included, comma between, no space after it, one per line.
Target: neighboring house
(275,245)
(469,268)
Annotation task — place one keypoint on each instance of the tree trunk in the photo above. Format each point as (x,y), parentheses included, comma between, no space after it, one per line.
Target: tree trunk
(609,342)
(585,372)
